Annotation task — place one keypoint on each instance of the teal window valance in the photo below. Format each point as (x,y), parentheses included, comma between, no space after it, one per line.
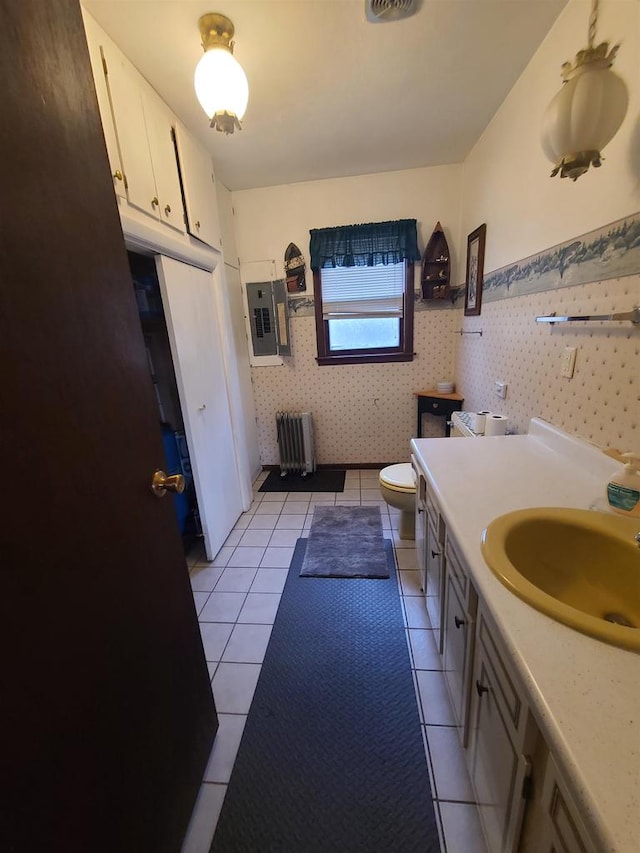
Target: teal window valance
(364,245)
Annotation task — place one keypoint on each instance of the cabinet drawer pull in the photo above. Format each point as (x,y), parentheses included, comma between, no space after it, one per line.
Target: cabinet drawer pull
(117,175)
(481,689)
(154,201)
(435,554)
(167,209)
(459,622)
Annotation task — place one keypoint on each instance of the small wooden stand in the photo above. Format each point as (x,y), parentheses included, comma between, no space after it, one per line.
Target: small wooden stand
(434,403)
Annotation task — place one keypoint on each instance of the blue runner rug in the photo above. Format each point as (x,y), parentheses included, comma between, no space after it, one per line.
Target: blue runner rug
(332,756)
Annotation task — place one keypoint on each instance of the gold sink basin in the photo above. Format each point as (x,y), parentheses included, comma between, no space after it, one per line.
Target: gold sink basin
(578,566)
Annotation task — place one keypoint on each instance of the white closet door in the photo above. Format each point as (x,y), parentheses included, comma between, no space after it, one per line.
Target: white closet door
(194,334)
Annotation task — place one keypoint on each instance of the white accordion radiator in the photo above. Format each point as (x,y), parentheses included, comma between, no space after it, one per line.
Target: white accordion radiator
(295,442)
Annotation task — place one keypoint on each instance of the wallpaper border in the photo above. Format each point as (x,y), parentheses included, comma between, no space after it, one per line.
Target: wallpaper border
(612,251)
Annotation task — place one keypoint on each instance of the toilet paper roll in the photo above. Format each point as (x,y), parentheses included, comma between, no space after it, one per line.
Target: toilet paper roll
(495,425)
(478,421)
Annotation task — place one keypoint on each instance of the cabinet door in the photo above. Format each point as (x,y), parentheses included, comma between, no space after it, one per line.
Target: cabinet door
(94,36)
(496,768)
(128,116)
(457,631)
(198,185)
(158,121)
(434,591)
(554,823)
(421,527)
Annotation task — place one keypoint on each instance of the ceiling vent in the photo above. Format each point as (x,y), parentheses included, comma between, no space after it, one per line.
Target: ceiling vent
(380,11)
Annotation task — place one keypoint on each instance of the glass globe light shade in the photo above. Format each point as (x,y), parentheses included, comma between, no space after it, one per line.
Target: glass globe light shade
(582,118)
(221,84)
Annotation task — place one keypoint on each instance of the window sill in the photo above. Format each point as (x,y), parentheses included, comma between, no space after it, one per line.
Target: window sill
(326,360)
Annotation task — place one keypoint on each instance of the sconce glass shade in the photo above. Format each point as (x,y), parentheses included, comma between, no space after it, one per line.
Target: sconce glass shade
(583,117)
(221,87)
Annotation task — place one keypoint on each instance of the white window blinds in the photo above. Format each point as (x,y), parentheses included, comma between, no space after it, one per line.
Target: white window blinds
(363,291)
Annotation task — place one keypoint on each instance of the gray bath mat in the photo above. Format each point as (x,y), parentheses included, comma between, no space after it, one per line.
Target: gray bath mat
(345,542)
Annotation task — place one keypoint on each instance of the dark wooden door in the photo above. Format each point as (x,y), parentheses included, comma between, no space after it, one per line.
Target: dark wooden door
(106,712)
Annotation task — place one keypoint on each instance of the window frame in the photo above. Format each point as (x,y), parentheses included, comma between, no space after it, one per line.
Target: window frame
(403,352)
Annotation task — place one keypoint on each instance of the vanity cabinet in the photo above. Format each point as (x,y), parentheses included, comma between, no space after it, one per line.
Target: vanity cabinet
(533,692)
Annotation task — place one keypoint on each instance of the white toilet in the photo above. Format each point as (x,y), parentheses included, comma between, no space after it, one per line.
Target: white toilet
(398,487)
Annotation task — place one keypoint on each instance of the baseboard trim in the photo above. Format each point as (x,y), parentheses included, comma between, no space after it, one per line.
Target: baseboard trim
(346,466)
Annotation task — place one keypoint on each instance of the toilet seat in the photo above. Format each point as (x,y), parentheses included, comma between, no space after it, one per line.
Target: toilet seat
(399,478)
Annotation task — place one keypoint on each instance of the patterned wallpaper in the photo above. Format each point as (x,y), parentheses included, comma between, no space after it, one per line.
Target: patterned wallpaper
(362,413)
(601,403)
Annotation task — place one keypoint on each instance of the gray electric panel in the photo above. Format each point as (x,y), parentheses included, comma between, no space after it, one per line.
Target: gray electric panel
(269,317)
(262,317)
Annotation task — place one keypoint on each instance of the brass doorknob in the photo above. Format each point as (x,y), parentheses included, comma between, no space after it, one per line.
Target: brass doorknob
(163,483)
(117,175)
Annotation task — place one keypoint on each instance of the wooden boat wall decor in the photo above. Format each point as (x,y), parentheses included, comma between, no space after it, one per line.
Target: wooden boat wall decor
(436,267)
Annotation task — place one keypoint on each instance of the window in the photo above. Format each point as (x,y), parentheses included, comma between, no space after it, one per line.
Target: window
(363,282)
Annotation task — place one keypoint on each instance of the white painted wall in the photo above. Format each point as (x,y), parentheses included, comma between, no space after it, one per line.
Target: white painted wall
(268,219)
(506,175)
(367,412)
(504,182)
(507,185)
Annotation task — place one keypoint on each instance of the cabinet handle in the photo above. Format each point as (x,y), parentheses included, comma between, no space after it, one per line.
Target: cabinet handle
(480,688)
(459,622)
(154,201)
(167,209)
(198,223)
(117,175)
(420,510)
(435,554)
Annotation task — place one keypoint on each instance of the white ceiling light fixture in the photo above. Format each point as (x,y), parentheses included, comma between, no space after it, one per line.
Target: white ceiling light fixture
(587,111)
(220,83)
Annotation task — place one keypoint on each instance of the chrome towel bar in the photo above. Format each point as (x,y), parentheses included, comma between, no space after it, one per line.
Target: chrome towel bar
(631,316)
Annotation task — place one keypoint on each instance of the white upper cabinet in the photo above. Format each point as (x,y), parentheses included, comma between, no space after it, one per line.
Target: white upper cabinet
(125,99)
(144,131)
(159,122)
(198,185)
(157,166)
(94,34)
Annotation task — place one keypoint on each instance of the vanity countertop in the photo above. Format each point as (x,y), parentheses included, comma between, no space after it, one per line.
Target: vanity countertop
(584,693)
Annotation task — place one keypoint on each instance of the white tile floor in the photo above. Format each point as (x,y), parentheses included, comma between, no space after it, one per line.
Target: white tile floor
(237,597)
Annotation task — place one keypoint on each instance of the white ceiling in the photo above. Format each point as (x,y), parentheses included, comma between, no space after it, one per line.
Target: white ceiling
(331,94)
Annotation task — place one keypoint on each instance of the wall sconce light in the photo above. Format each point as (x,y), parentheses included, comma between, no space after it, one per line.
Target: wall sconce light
(587,111)
(220,83)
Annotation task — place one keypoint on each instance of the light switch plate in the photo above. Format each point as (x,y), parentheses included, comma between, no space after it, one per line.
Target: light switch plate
(568,362)
(501,390)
